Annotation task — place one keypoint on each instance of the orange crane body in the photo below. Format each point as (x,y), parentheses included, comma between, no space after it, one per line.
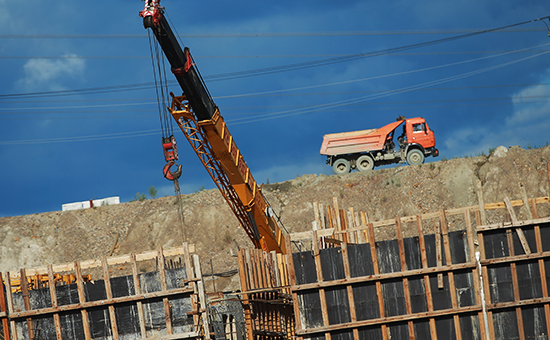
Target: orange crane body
(200,121)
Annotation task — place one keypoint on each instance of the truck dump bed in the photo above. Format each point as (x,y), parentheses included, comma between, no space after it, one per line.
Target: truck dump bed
(357,141)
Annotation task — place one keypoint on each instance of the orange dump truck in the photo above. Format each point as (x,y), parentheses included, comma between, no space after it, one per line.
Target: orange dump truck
(365,149)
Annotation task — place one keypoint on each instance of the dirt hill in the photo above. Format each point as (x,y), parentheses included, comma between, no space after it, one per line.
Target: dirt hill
(59,237)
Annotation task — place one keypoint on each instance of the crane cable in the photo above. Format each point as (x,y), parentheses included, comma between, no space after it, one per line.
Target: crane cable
(159,71)
(167,126)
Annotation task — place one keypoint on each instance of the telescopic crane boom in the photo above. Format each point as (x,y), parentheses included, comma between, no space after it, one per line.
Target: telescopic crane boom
(199,119)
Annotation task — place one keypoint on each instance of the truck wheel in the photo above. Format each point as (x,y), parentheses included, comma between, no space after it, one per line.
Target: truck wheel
(415,157)
(365,163)
(341,166)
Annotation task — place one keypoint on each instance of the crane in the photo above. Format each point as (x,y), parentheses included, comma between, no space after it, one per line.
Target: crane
(200,120)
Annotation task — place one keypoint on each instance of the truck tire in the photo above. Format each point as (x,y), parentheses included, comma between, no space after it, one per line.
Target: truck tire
(364,163)
(415,157)
(341,166)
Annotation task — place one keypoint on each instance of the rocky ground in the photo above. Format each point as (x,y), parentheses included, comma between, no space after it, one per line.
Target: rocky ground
(205,220)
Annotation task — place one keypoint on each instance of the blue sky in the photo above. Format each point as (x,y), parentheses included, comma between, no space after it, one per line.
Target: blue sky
(103,139)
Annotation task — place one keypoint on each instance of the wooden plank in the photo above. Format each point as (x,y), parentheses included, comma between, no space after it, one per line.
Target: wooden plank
(191,276)
(488,316)
(391,319)
(164,288)
(515,285)
(256,284)
(109,294)
(349,288)
(317,220)
(245,296)
(438,254)
(292,281)
(376,270)
(365,221)
(475,272)
(351,224)
(519,231)
(513,304)
(202,297)
(322,296)
(387,276)
(137,291)
(322,217)
(9,301)
(427,285)
(459,211)
(330,218)
(542,267)
(97,303)
(3,310)
(406,289)
(53,298)
(450,275)
(26,301)
(343,226)
(338,225)
(82,300)
(525,200)
(481,202)
(306,235)
(111,261)
(506,225)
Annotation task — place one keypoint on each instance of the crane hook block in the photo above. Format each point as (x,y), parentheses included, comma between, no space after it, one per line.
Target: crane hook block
(172,175)
(170,148)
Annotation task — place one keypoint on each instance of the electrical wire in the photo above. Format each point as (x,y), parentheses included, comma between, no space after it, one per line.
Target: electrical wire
(278,69)
(83,138)
(265,56)
(262,35)
(327,106)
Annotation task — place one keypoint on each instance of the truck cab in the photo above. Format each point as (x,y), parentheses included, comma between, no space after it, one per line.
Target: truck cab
(417,134)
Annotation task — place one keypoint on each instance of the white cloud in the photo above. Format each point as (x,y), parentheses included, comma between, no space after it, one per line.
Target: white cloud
(530,105)
(46,74)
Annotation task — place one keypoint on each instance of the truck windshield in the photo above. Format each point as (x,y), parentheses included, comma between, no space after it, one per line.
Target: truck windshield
(420,127)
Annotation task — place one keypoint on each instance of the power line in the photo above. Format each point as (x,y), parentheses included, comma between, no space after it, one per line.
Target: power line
(84,138)
(150,100)
(265,34)
(327,106)
(278,69)
(266,56)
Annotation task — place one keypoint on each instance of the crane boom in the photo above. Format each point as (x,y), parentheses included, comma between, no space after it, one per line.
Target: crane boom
(199,119)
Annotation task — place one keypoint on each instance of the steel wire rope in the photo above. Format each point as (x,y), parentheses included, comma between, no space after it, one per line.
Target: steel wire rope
(177,191)
(157,73)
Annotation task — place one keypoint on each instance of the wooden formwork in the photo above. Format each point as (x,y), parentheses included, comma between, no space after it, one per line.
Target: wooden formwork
(462,279)
(265,295)
(168,303)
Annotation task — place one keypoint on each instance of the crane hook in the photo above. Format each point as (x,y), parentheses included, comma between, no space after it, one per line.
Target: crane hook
(172,175)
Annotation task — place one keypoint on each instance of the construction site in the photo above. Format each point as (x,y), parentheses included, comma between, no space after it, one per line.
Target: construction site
(449,260)
(425,249)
